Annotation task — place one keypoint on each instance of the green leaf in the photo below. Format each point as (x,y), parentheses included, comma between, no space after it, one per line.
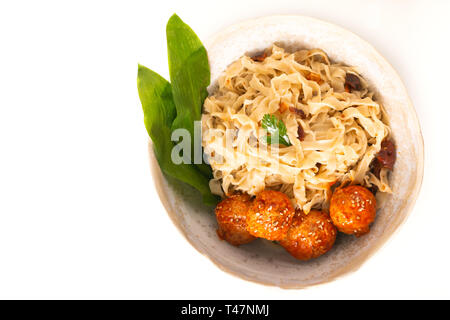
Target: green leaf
(277,130)
(159,112)
(189,76)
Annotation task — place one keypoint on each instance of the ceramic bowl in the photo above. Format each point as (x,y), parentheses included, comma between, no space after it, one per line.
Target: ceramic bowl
(262,261)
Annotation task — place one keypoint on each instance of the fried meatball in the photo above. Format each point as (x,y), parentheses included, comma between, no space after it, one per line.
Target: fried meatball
(231,215)
(310,235)
(270,215)
(353,209)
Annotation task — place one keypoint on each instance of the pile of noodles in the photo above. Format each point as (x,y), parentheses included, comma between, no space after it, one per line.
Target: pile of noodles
(343,129)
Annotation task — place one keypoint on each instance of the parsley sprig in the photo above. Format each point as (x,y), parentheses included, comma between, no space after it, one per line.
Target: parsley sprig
(277,130)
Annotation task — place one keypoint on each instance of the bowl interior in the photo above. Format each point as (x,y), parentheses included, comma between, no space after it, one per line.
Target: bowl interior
(262,261)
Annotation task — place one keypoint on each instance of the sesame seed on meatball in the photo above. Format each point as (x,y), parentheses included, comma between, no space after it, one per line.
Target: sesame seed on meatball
(231,215)
(270,215)
(353,209)
(310,235)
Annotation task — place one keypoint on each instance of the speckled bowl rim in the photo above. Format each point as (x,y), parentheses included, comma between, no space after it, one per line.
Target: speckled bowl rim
(390,230)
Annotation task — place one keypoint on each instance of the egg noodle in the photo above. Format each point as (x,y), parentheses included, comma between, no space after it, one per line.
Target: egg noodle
(342,129)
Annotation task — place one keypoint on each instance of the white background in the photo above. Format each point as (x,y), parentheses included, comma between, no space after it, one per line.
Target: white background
(79,215)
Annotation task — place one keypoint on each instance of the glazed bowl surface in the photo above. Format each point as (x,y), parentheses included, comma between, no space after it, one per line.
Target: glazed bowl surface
(263,261)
